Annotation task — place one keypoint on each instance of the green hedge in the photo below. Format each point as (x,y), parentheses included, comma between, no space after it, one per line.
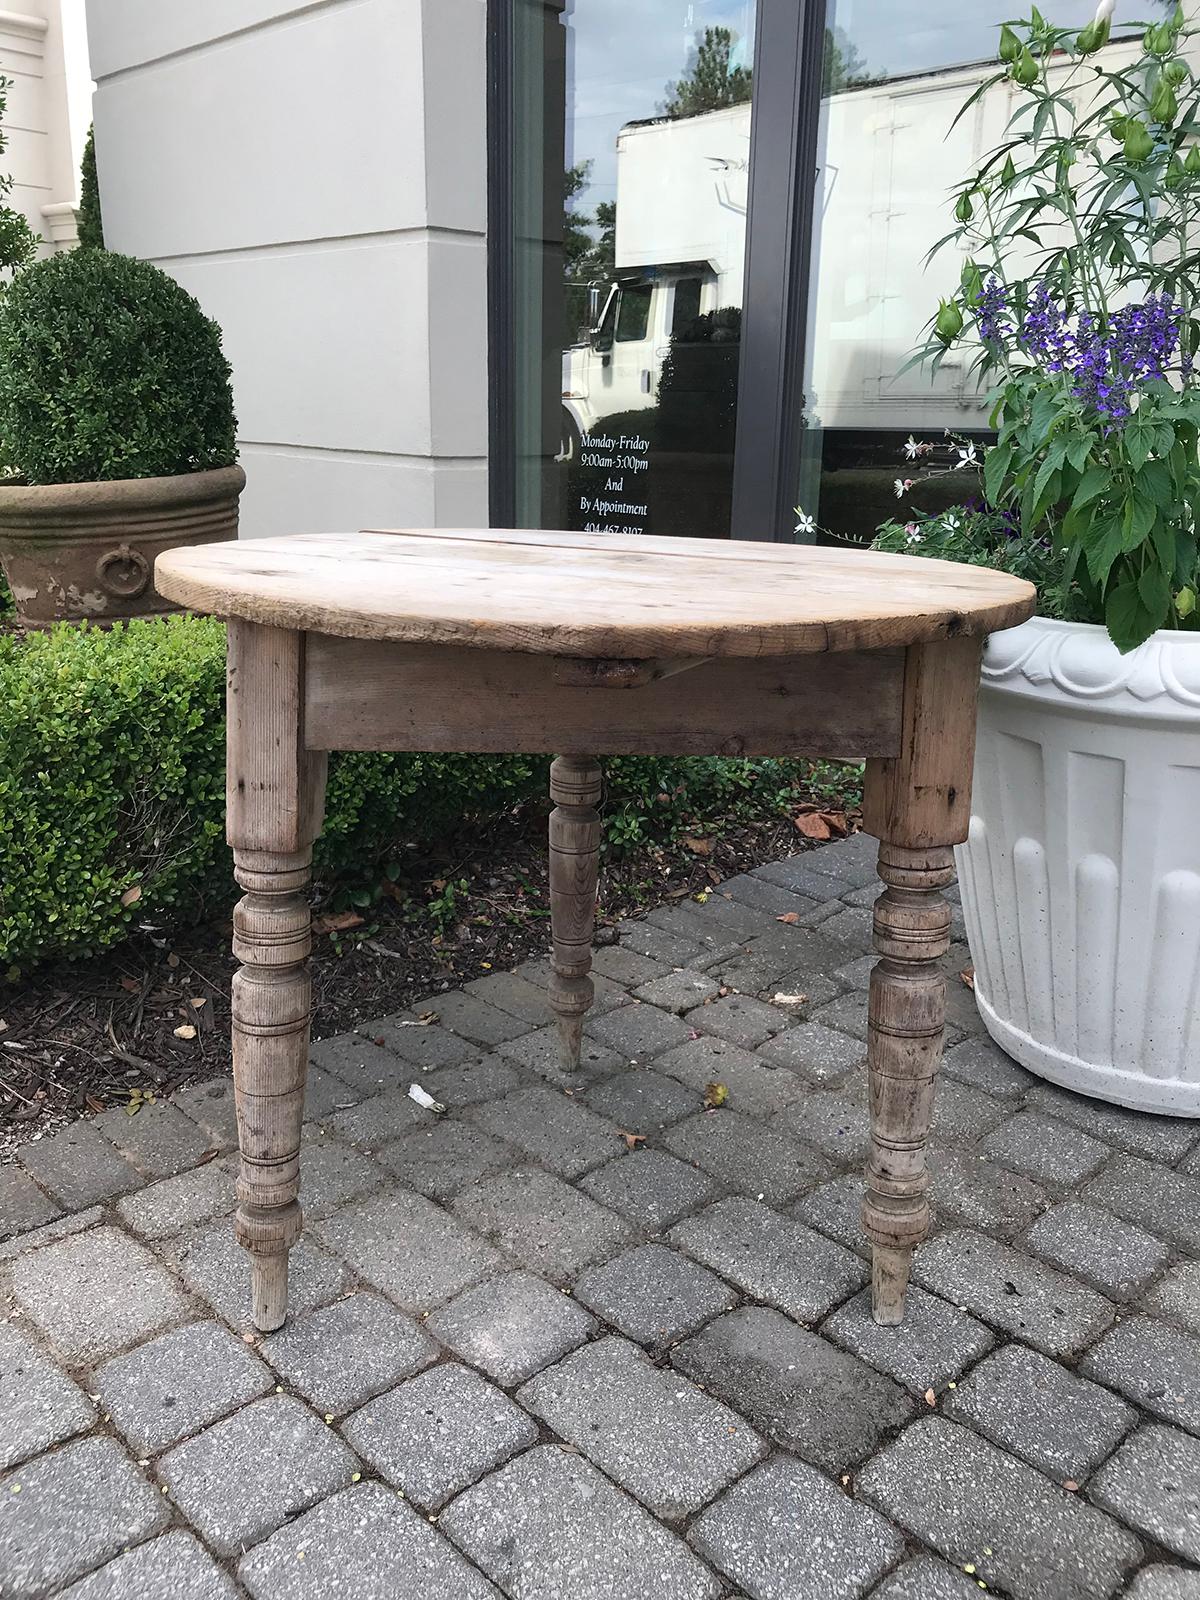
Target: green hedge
(112,774)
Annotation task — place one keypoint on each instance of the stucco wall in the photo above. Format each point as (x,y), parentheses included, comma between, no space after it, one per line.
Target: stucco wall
(316,175)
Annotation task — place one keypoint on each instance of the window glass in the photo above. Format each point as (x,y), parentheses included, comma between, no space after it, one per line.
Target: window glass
(631,174)
(895,75)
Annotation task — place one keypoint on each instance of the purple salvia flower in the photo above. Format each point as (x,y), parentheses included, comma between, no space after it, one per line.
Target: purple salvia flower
(991,309)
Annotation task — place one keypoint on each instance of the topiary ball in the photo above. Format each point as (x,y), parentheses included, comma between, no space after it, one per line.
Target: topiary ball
(109,369)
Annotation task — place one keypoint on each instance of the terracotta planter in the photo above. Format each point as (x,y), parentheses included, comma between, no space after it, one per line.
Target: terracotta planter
(86,550)
(1081,877)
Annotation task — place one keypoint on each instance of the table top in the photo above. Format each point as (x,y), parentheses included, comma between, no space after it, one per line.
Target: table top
(598,595)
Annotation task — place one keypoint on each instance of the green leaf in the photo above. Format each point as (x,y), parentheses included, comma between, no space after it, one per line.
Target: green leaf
(1128,621)
(1154,591)
(1093,484)
(1102,546)
(995,468)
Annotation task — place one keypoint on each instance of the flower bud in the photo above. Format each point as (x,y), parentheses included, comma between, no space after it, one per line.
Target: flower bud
(964,210)
(1175,175)
(1164,107)
(1185,602)
(971,279)
(949,323)
(1010,45)
(1175,72)
(1138,143)
(1025,69)
(1009,173)
(1192,164)
(1159,40)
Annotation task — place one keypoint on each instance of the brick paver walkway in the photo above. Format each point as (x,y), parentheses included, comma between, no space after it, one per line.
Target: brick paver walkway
(527,1359)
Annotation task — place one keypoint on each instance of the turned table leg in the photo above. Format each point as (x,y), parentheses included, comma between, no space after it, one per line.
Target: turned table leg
(275,794)
(918,805)
(575,786)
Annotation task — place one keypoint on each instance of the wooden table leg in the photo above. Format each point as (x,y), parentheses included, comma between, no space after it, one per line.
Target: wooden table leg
(275,798)
(575,787)
(918,805)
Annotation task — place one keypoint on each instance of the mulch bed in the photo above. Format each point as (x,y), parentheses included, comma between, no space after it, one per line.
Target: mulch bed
(152,1015)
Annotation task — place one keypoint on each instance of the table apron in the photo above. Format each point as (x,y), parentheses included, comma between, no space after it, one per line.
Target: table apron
(362,694)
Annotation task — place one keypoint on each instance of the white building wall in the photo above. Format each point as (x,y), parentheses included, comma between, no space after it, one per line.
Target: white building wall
(43,52)
(316,175)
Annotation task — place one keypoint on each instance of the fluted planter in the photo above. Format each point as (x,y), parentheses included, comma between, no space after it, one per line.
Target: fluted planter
(1081,876)
(85,551)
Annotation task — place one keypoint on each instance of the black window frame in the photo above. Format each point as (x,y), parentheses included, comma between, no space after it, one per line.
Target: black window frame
(788,59)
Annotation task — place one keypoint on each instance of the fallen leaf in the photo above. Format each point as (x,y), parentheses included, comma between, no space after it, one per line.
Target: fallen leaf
(838,822)
(197,1001)
(172,959)
(715,1094)
(790,999)
(699,847)
(632,1139)
(930,1398)
(967,976)
(94,1103)
(813,826)
(130,985)
(338,922)
(1070,1485)
(185,1031)
(132,896)
(790,917)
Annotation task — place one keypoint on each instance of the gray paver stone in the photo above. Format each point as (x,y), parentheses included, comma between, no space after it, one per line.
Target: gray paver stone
(357,1062)
(78,1167)
(22,1203)
(95,1292)
(473,1019)
(835,1209)
(962,1115)
(640,1100)
(325,1095)
(541,1053)
(426,1046)
(472,1082)
(178,1384)
(439,1432)
(668,949)
(50,1232)
(739,1019)
(1012,1291)
(962,1496)
(1153,1484)
(983,1065)
(361,1543)
(932,1347)
(836,1124)
(974,1191)
(821,1055)
(677,991)
(650,1187)
(1117,1257)
(799,875)
(1155,1365)
(763,896)
(753,1085)
(764,1163)
(926,1578)
(512,1326)
(341,1355)
(510,992)
(181,1202)
(332,1174)
(624,965)
(441,1160)
(1038,1410)
(240,1479)
(611,990)
(771,1257)
(1159,1138)
(218,1269)
(543,1223)
(1178,1295)
(785,1531)
(39,1405)
(654,1295)
(408,1247)
(66,1512)
(372,1123)
(638,1032)
(657,1435)
(175,1564)
(562,1134)
(804,1393)
(159,1141)
(1043,1149)
(212,1107)
(1162,1582)
(1163,1202)
(549,1524)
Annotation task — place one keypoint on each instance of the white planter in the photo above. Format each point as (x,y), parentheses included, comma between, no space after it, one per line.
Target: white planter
(1081,876)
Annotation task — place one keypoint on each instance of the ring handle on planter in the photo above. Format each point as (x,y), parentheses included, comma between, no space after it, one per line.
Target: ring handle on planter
(123,572)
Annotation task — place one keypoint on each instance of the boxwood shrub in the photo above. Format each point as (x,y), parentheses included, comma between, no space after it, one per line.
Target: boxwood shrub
(109,369)
(112,789)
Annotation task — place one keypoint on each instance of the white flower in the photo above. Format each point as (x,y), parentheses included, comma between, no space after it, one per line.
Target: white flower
(1104,12)
(805,524)
(966,457)
(912,533)
(901,485)
(951,524)
(912,449)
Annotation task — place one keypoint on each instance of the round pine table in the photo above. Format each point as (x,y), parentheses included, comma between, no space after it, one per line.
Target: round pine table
(579,646)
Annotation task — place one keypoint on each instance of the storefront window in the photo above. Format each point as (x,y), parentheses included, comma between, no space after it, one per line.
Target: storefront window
(895,74)
(632,123)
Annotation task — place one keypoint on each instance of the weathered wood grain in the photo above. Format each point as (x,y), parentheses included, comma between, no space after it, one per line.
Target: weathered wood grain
(610,596)
(367,695)
(575,787)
